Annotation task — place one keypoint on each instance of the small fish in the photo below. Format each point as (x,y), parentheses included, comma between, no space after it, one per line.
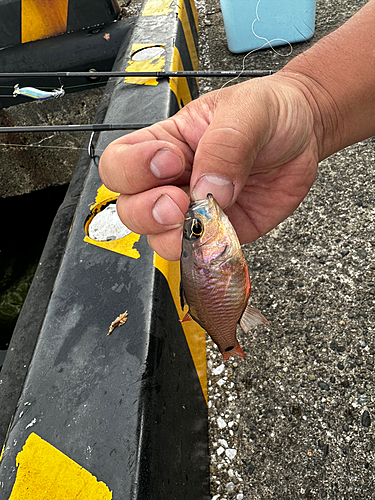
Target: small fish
(215,281)
(34,93)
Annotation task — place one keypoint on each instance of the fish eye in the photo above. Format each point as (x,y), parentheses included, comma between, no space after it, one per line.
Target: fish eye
(195,230)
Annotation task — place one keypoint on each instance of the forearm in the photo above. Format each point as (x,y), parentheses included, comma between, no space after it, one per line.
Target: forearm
(337,75)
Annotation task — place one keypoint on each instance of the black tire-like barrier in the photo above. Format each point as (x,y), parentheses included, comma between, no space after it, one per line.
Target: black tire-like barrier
(65,35)
(122,416)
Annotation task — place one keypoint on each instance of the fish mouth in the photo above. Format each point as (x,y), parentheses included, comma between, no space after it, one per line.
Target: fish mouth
(202,207)
(195,203)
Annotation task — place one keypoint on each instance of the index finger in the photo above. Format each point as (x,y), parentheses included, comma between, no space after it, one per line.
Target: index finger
(145,159)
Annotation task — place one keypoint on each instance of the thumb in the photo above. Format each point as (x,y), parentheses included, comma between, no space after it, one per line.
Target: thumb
(226,151)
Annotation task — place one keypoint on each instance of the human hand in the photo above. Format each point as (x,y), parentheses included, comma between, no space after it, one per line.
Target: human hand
(254,146)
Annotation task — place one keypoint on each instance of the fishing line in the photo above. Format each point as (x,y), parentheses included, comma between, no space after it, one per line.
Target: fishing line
(39,144)
(269,42)
(94,128)
(5,145)
(74,148)
(94,154)
(89,127)
(266,42)
(91,150)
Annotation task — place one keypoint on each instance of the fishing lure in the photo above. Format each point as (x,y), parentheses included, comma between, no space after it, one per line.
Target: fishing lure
(36,93)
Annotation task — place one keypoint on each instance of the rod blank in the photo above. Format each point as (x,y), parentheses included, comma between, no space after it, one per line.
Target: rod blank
(133,74)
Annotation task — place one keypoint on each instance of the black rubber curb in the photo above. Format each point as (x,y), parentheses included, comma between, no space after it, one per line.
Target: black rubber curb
(128,409)
(22,22)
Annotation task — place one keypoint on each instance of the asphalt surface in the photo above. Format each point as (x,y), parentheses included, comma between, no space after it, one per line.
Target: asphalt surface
(295,419)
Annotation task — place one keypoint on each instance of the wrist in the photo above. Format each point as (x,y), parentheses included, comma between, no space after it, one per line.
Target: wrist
(337,76)
(327,117)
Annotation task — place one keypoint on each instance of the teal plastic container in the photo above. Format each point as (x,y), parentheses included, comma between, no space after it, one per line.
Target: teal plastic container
(250,24)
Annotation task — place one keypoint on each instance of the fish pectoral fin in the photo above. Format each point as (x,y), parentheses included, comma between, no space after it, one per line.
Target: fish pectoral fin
(187,317)
(252,317)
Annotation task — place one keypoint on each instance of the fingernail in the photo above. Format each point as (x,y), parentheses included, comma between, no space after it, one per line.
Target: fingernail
(219,186)
(167,212)
(166,164)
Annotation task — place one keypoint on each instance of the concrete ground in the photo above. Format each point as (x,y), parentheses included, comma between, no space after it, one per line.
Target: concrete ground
(294,420)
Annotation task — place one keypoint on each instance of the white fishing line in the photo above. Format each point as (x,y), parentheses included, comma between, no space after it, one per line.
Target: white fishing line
(266,42)
(44,146)
(36,145)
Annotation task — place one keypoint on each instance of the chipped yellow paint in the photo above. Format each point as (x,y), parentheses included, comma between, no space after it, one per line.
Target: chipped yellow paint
(195,335)
(179,86)
(44,472)
(43,18)
(155,64)
(123,246)
(159,7)
(103,194)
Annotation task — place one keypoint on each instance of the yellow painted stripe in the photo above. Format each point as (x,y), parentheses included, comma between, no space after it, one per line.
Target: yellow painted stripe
(183,16)
(44,472)
(156,64)
(158,7)
(123,246)
(195,335)
(43,18)
(179,86)
(195,13)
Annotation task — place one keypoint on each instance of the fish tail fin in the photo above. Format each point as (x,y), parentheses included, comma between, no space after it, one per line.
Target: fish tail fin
(236,350)
(252,317)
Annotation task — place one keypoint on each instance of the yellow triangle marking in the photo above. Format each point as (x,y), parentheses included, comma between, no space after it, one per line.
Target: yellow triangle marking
(44,473)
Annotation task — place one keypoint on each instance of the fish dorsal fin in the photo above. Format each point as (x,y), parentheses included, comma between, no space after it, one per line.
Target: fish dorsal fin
(252,317)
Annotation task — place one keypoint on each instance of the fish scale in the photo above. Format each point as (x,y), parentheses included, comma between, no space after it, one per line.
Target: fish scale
(219,312)
(214,278)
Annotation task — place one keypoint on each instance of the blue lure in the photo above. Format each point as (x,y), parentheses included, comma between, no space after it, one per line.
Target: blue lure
(36,93)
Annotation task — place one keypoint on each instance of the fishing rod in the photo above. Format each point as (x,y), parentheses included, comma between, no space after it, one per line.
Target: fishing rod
(90,127)
(146,74)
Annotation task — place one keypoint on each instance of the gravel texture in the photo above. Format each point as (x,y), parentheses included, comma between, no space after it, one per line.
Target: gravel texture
(294,420)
